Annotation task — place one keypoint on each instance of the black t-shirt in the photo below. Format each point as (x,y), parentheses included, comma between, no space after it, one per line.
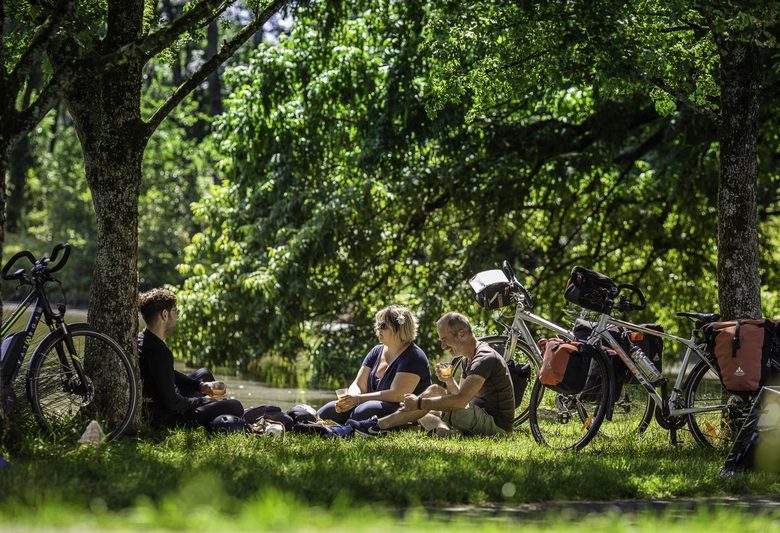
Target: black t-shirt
(162,384)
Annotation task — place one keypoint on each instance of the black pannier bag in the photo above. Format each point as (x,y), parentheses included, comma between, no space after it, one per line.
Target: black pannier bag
(583,330)
(491,289)
(591,290)
(520,375)
(652,346)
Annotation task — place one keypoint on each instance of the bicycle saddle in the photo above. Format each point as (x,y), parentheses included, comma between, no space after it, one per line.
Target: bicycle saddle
(700,318)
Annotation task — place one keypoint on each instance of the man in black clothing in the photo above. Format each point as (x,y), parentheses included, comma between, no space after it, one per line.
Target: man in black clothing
(173,398)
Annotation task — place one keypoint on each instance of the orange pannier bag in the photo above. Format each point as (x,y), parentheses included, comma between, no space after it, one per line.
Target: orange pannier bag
(565,365)
(742,350)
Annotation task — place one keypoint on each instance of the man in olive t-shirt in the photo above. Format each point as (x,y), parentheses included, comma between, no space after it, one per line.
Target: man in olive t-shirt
(481,404)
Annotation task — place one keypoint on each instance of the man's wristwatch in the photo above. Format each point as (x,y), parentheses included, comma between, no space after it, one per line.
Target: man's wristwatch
(419,403)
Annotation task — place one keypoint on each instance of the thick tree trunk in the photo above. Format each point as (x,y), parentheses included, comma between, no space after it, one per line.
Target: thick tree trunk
(4,422)
(739,280)
(105,107)
(21,161)
(214,95)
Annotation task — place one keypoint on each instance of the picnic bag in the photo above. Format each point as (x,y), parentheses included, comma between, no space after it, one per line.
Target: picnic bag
(591,290)
(742,351)
(565,365)
(491,289)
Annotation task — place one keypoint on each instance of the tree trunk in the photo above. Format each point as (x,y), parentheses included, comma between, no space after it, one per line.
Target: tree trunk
(21,161)
(739,280)
(105,107)
(214,95)
(171,12)
(4,422)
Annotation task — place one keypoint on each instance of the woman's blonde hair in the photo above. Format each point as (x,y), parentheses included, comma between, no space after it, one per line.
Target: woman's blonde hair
(400,319)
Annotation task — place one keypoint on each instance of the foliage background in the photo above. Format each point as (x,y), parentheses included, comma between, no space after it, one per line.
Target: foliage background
(382,151)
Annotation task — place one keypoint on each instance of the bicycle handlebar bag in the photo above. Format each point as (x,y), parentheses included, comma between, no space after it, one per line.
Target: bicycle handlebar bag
(742,350)
(591,290)
(491,289)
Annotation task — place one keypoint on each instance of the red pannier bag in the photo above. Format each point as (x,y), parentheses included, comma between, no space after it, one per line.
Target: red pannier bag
(565,365)
(742,350)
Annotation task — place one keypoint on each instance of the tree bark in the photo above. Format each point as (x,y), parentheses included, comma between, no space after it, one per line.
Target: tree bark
(214,94)
(105,104)
(739,279)
(4,423)
(21,161)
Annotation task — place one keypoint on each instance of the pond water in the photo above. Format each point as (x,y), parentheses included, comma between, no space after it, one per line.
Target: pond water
(243,387)
(251,392)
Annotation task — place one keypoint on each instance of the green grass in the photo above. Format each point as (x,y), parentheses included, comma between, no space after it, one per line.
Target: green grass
(306,483)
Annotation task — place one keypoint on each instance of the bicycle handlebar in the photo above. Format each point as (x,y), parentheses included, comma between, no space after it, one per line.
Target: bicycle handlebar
(510,274)
(626,303)
(65,256)
(12,261)
(39,266)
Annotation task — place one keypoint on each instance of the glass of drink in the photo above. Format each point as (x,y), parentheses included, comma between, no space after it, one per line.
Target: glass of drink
(341,393)
(218,388)
(445,370)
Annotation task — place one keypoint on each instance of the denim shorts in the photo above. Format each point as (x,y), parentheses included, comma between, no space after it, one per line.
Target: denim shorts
(472,420)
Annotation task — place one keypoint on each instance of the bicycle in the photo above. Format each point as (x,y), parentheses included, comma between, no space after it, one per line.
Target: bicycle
(697,399)
(76,374)
(517,343)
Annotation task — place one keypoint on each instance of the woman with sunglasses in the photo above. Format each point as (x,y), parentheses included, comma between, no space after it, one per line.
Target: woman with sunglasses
(391,369)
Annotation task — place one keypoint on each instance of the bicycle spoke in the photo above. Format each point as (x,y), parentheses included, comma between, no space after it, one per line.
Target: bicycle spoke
(714,428)
(64,402)
(564,421)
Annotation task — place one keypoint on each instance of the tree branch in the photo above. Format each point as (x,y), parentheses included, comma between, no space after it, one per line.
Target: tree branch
(211,65)
(27,119)
(151,45)
(40,40)
(683,99)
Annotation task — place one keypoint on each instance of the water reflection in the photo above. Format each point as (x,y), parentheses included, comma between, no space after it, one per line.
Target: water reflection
(250,392)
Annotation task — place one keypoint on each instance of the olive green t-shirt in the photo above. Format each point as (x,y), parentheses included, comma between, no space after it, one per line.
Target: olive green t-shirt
(496,395)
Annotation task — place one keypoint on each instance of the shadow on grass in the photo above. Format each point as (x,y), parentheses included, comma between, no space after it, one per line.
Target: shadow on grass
(398,471)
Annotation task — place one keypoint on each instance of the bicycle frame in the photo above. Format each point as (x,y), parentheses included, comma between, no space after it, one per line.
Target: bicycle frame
(519,328)
(601,332)
(36,296)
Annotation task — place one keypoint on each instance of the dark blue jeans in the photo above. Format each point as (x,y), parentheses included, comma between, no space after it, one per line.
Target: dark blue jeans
(361,412)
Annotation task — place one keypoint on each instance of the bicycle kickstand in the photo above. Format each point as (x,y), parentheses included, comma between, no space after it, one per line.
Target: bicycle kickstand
(673,437)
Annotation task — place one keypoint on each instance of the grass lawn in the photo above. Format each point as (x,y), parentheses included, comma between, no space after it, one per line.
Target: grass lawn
(187,480)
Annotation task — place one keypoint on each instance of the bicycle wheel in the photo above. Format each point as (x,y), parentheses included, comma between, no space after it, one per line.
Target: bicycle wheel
(632,412)
(523,354)
(63,403)
(570,421)
(717,429)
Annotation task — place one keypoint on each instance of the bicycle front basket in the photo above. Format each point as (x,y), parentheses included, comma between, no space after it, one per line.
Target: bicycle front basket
(491,289)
